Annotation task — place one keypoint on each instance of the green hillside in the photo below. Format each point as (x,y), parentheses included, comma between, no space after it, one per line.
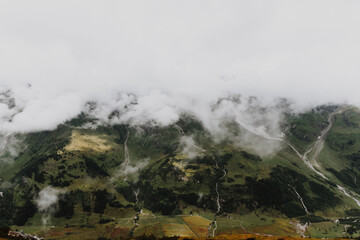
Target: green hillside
(120,181)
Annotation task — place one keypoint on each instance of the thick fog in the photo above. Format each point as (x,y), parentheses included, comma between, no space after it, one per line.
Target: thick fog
(172,57)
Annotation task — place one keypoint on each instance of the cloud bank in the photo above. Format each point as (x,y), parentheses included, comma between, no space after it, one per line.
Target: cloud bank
(171,57)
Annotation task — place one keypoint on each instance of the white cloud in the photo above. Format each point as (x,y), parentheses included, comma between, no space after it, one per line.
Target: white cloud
(47,198)
(189,147)
(175,56)
(47,202)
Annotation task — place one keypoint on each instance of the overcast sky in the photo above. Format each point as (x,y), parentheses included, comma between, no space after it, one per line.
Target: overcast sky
(75,51)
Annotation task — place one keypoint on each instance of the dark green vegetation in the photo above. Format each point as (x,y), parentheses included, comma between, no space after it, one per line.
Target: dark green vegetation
(102,191)
(305,128)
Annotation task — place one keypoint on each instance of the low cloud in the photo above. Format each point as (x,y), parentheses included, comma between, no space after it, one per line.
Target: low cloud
(189,147)
(152,62)
(10,147)
(129,171)
(47,201)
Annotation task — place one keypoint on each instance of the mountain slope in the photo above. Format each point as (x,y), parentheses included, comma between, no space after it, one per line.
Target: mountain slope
(120,181)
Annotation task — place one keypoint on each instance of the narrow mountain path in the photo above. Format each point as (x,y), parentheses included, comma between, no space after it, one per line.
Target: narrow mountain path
(306,161)
(319,144)
(281,139)
(318,147)
(314,151)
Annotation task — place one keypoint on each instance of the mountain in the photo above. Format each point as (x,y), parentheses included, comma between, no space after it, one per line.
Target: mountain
(96,181)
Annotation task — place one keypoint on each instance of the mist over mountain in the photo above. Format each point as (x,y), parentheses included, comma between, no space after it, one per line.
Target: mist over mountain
(174,57)
(206,118)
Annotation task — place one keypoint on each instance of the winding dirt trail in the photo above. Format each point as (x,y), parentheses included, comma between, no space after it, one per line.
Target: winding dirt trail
(319,144)
(318,147)
(303,157)
(314,151)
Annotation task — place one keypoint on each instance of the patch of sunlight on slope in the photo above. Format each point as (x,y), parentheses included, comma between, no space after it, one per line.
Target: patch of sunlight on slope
(82,142)
(198,225)
(181,163)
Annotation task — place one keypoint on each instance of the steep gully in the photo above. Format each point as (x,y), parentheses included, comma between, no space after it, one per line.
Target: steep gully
(300,198)
(213,225)
(125,166)
(315,150)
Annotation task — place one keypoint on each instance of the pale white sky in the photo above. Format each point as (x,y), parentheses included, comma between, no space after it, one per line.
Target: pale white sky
(76,51)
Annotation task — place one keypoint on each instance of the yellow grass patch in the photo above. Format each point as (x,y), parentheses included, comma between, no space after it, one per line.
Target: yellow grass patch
(82,142)
(176,229)
(198,224)
(180,157)
(181,165)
